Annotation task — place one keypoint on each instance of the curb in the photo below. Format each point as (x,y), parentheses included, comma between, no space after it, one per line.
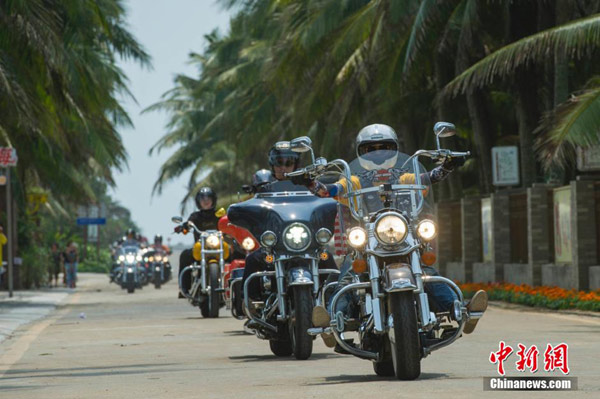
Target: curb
(523,308)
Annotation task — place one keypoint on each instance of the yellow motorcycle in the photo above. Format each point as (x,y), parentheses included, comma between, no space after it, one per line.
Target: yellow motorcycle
(207,284)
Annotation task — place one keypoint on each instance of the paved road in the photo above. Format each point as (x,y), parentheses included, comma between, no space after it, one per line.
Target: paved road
(152,345)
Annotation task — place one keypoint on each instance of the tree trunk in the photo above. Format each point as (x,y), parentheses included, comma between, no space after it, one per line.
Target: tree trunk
(523,22)
(478,113)
(452,187)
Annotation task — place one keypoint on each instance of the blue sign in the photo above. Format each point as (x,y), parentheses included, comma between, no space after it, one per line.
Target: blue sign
(86,221)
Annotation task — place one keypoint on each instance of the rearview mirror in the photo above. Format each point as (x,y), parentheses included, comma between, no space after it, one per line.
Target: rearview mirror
(247,189)
(177,219)
(444,129)
(282,145)
(301,144)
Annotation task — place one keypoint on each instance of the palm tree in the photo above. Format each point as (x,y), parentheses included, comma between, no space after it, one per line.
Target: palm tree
(573,123)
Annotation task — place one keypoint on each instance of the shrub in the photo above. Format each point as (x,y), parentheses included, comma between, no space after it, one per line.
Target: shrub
(542,296)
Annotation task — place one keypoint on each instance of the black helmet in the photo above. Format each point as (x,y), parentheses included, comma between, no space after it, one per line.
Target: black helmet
(206,192)
(130,232)
(377,147)
(283,158)
(262,177)
(158,239)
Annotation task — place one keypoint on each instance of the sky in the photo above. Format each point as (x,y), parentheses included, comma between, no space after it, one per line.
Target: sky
(169,30)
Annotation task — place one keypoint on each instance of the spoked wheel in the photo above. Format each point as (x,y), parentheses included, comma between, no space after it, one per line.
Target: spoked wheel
(404,336)
(301,321)
(214,300)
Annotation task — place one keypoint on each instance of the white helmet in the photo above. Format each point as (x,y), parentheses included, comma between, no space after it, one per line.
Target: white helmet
(381,142)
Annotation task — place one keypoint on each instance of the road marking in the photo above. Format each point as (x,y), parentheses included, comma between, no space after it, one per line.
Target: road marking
(16,351)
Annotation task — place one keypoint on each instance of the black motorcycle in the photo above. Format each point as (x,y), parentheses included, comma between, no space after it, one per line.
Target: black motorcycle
(294,227)
(158,266)
(130,274)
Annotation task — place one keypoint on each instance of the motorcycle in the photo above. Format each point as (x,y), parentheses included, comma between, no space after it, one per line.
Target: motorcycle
(130,274)
(158,266)
(234,270)
(391,241)
(294,227)
(209,252)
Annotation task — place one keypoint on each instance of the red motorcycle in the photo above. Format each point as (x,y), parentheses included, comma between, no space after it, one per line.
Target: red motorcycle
(234,271)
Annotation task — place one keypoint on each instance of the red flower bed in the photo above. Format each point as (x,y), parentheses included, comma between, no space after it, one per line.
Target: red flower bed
(547,297)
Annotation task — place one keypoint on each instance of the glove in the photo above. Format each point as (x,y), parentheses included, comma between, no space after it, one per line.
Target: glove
(302,180)
(453,163)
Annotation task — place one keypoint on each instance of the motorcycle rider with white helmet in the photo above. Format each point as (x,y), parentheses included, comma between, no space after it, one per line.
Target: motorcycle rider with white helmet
(377,150)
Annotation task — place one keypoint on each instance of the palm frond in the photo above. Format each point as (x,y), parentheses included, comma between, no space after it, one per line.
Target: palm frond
(574,39)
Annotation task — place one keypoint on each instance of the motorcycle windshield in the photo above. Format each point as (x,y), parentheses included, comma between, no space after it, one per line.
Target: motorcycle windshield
(390,180)
(130,250)
(275,210)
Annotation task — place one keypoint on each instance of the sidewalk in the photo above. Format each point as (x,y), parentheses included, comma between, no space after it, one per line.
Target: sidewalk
(30,305)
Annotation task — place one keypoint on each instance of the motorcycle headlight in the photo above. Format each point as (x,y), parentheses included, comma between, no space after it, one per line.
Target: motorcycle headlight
(121,258)
(158,258)
(157,268)
(212,241)
(296,237)
(390,229)
(357,237)
(130,258)
(248,244)
(151,259)
(323,236)
(427,230)
(129,270)
(268,239)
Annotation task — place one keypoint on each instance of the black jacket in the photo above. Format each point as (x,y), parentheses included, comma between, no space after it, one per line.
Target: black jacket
(204,219)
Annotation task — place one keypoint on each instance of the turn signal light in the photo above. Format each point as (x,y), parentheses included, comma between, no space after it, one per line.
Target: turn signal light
(269,258)
(323,256)
(359,265)
(428,258)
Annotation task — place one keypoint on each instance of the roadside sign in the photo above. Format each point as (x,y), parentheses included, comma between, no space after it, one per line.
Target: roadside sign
(87,221)
(8,157)
(505,166)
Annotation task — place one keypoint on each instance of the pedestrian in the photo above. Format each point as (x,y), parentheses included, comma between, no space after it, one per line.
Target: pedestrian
(3,241)
(71,259)
(56,258)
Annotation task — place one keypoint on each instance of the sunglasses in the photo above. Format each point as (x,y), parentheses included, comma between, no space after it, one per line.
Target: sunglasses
(284,162)
(376,147)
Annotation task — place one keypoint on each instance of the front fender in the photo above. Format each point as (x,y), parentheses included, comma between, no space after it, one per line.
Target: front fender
(300,276)
(398,277)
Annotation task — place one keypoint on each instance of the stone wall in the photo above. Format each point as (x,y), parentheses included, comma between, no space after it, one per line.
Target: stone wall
(583,213)
(537,230)
(471,235)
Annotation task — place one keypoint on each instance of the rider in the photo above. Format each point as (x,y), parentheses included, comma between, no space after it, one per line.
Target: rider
(158,244)
(260,179)
(131,239)
(281,162)
(205,218)
(377,149)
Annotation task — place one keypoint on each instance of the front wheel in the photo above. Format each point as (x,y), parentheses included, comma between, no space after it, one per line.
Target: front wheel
(301,321)
(281,348)
(130,283)
(237,301)
(214,300)
(404,336)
